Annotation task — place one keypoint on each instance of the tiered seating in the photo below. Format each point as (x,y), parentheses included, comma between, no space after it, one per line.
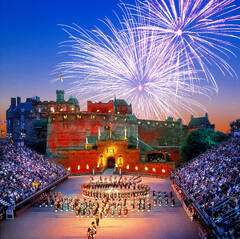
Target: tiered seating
(212,181)
(24,172)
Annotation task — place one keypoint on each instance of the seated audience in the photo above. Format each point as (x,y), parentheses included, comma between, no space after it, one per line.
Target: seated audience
(24,172)
(212,180)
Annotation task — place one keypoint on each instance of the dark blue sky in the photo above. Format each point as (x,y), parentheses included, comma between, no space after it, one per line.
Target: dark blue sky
(29,50)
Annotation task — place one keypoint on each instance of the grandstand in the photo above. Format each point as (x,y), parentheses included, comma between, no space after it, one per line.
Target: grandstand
(24,174)
(210,186)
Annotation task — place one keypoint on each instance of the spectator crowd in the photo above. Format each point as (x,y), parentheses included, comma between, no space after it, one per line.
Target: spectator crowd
(24,172)
(212,181)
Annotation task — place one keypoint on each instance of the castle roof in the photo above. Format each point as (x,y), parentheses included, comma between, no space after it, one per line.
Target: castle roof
(22,107)
(92,139)
(120,102)
(199,122)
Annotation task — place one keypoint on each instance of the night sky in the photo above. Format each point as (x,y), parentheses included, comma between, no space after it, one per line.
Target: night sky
(29,52)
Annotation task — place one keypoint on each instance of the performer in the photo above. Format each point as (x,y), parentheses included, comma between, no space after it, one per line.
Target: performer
(97,220)
(93,229)
(87,210)
(89,233)
(125,211)
(133,204)
(139,205)
(119,210)
(149,205)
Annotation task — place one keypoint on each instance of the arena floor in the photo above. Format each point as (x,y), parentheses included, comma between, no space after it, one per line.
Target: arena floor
(44,223)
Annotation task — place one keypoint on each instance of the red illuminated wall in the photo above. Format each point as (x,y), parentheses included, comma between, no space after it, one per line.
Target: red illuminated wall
(101,108)
(67,138)
(123,109)
(152,168)
(72,131)
(161,135)
(83,161)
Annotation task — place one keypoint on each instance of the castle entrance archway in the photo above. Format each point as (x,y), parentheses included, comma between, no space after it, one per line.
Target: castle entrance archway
(111,162)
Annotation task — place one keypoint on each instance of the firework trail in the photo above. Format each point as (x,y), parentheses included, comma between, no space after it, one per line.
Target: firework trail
(130,64)
(196,31)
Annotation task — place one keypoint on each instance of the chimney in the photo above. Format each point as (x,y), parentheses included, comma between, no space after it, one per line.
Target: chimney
(13,102)
(18,100)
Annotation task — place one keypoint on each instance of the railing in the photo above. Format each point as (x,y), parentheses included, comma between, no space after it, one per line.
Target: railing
(147,147)
(20,204)
(208,221)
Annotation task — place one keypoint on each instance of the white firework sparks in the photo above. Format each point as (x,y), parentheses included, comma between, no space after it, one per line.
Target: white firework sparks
(130,64)
(198,32)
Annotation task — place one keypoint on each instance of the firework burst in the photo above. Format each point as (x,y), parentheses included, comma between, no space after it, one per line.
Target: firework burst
(130,64)
(197,32)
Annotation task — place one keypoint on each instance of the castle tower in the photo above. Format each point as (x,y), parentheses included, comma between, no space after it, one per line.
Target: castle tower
(59,95)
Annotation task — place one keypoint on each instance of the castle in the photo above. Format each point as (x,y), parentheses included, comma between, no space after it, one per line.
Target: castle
(105,135)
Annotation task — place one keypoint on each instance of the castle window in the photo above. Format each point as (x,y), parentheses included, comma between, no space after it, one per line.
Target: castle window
(109,111)
(139,122)
(98,110)
(52,109)
(148,123)
(165,123)
(173,124)
(157,123)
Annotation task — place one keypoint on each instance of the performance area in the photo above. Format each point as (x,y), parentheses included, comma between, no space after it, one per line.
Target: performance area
(159,222)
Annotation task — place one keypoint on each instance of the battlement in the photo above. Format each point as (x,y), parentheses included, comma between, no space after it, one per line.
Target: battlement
(100,108)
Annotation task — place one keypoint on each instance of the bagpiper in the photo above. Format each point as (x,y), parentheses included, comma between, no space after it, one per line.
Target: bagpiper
(112,210)
(125,211)
(119,210)
(148,205)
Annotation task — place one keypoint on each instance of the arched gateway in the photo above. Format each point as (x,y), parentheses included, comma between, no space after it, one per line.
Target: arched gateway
(111,162)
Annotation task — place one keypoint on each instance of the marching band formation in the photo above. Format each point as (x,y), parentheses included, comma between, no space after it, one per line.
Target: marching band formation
(108,197)
(115,188)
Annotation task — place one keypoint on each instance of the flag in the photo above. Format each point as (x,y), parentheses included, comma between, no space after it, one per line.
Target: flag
(61,79)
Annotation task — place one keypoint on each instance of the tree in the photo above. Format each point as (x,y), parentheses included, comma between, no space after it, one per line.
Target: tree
(198,141)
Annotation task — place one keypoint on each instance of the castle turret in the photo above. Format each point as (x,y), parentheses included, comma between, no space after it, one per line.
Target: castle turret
(59,95)
(18,100)
(13,102)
